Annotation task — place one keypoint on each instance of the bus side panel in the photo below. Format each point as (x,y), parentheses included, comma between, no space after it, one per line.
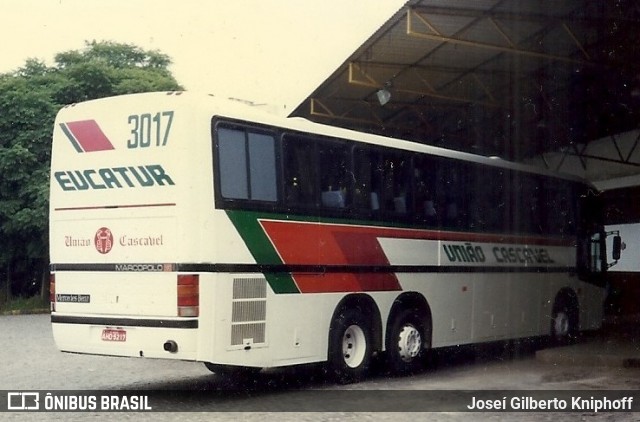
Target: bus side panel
(450,297)
(244,323)
(526,292)
(591,298)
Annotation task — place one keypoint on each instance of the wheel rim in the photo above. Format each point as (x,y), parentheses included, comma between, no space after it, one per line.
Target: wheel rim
(409,343)
(354,346)
(561,324)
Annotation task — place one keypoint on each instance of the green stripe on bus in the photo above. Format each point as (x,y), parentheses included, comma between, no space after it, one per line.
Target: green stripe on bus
(246,222)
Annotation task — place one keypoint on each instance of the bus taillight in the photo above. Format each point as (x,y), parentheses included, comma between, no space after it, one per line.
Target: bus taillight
(52,292)
(188,295)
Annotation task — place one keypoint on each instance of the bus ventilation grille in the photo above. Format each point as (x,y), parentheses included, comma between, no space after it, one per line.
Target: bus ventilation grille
(249,311)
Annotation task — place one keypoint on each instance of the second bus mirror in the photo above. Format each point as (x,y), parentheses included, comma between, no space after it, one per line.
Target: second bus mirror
(617,247)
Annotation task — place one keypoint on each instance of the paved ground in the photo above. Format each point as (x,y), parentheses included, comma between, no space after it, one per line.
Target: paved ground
(617,344)
(606,360)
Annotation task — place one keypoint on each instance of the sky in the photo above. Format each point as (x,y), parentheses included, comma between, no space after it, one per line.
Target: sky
(271,51)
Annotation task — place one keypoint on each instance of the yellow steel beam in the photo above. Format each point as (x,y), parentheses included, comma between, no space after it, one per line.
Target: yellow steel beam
(434,35)
(358,76)
(317,108)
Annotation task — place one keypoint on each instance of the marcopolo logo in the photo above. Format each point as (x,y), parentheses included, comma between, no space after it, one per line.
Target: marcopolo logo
(103,240)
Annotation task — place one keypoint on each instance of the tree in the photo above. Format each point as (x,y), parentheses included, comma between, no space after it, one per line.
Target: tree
(104,69)
(29,100)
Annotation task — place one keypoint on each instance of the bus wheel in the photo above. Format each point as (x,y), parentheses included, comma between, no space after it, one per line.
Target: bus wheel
(350,347)
(564,322)
(407,342)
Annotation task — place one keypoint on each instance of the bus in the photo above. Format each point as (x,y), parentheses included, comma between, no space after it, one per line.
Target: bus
(189,227)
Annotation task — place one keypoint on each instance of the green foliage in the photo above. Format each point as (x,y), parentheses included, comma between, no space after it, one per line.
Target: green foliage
(29,100)
(24,305)
(104,69)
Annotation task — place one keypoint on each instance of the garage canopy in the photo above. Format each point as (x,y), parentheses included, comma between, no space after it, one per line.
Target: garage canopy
(504,78)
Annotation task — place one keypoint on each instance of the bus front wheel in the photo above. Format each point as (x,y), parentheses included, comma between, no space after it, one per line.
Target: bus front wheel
(408,342)
(564,322)
(350,347)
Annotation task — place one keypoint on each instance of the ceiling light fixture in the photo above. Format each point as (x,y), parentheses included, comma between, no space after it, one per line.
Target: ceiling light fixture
(384,96)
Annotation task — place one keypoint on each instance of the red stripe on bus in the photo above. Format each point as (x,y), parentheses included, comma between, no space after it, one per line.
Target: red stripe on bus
(90,136)
(300,243)
(297,232)
(321,244)
(346,282)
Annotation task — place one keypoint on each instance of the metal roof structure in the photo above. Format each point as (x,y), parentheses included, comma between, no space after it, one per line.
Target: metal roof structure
(508,78)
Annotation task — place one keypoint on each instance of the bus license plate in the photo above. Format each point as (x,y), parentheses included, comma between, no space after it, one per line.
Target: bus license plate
(111,334)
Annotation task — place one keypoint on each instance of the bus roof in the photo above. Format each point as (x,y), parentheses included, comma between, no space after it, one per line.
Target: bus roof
(266,115)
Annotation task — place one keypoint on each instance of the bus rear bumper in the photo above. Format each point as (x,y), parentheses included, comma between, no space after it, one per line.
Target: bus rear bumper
(133,337)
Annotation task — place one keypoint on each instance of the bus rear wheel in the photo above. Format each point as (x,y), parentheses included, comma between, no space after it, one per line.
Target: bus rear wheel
(407,343)
(350,347)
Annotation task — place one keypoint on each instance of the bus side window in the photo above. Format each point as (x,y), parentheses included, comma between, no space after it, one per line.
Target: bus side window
(455,189)
(247,165)
(396,182)
(366,193)
(300,172)
(232,164)
(488,206)
(335,179)
(262,167)
(425,175)
(529,196)
(561,210)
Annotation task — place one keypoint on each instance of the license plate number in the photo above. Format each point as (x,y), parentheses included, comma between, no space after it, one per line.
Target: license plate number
(111,334)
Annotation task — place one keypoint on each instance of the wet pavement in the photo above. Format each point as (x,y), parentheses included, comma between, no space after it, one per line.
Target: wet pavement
(616,344)
(602,362)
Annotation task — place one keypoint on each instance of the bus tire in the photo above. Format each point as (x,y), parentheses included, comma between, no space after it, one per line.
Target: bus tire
(564,321)
(408,342)
(350,346)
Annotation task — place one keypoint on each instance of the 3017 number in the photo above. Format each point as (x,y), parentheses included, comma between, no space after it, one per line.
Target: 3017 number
(149,129)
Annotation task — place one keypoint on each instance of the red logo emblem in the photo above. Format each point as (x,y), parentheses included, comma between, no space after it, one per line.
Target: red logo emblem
(86,136)
(103,240)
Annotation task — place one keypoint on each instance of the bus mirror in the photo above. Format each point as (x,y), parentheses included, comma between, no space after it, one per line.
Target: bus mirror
(617,247)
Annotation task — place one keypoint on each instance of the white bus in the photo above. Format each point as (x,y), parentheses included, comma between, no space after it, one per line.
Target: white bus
(187,227)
